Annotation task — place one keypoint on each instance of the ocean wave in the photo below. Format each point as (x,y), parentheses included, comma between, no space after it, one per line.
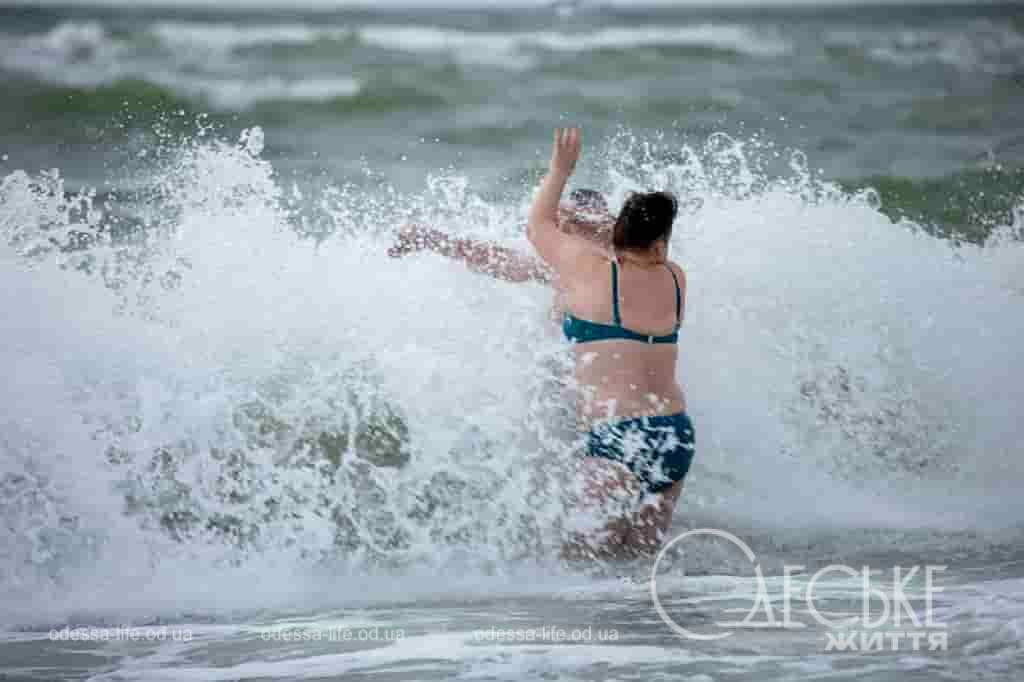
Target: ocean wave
(242,94)
(222,37)
(72,53)
(86,57)
(70,40)
(101,101)
(225,37)
(220,388)
(493,49)
(980,45)
(71,37)
(970,206)
(168,92)
(200,61)
(734,38)
(737,39)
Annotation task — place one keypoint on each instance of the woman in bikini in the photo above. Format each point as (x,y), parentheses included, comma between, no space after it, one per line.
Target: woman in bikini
(624,306)
(623,303)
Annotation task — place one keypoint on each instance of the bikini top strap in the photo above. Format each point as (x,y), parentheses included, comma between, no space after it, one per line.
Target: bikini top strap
(616,314)
(679,296)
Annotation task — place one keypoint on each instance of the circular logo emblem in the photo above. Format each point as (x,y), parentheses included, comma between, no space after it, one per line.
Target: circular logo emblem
(706,532)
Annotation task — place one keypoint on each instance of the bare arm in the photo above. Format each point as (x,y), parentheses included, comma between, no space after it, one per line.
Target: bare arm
(559,248)
(484,257)
(542,228)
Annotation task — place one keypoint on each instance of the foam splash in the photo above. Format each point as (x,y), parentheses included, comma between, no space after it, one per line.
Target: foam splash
(224,393)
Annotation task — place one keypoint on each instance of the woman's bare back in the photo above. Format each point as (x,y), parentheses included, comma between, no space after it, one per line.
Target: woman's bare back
(620,378)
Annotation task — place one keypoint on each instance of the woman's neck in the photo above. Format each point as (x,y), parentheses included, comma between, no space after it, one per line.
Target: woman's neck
(649,258)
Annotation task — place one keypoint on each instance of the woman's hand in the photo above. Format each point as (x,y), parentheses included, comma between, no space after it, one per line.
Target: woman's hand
(566,151)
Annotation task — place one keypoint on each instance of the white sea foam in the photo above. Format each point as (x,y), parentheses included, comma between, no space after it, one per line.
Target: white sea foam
(457,649)
(72,53)
(736,38)
(240,94)
(726,37)
(229,36)
(832,382)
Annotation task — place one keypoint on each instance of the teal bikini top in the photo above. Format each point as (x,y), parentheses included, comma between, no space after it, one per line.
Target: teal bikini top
(584,331)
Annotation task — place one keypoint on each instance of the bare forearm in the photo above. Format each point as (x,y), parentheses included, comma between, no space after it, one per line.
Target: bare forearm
(487,258)
(446,245)
(511,265)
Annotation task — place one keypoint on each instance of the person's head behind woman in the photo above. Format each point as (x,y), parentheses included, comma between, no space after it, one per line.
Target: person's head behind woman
(645,219)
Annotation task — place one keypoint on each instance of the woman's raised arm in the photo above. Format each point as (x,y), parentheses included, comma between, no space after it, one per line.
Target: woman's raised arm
(542,228)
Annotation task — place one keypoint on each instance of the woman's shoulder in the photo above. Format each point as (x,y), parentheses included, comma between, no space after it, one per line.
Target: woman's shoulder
(590,255)
(679,273)
(590,263)
(678,270)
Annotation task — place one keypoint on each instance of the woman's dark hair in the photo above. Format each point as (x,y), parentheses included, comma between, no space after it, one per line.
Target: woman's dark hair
(645,218)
